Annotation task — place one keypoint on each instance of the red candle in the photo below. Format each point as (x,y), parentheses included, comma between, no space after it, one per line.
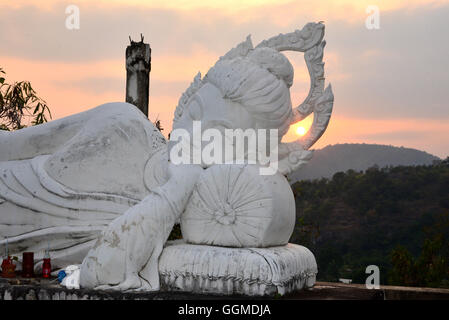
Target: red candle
(46,266)
(28,265)
(8,268)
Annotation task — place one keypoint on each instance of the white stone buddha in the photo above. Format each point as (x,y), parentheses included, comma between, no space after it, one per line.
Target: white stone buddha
(98,187)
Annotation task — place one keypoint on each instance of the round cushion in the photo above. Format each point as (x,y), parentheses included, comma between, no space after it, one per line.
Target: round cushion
(234,206)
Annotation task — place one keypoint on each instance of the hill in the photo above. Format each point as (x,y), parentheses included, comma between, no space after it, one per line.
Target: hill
(396,218)
(358,157)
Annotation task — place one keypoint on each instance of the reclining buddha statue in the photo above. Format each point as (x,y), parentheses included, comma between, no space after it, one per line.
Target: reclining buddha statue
(101,189)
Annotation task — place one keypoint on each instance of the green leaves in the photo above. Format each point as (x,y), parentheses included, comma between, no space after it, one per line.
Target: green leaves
(20,105)
(430,269)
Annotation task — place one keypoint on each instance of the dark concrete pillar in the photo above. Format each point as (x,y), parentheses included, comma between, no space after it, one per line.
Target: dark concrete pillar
(138,67)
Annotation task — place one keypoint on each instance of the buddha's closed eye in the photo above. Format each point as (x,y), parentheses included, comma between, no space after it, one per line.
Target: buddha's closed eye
(221,125)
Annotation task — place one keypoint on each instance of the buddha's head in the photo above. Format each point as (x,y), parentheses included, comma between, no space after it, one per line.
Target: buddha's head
(244,92)
(249,88)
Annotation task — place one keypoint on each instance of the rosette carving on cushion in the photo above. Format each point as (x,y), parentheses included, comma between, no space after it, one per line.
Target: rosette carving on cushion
(235,206)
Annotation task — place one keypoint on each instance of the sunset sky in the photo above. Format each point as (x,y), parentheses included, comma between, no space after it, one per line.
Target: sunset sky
(391,85)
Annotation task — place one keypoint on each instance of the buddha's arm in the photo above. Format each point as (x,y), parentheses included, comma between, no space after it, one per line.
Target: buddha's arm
(129,247)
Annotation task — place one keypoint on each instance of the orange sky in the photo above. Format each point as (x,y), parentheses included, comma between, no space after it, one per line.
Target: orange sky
(80,69)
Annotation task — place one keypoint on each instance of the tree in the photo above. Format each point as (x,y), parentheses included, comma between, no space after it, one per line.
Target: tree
(363,216)
(20,105)
(403,271)
(431,268)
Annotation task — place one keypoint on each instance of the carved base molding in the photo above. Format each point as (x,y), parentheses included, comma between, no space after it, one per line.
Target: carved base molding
(236,271)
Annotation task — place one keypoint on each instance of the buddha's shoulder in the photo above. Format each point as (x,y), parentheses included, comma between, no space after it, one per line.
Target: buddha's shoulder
(113,109)
(122,116)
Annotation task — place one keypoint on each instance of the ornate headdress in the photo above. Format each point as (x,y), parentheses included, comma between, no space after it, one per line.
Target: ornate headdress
(319,100)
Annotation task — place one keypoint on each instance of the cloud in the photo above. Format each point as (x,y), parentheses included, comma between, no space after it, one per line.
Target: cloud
(37,30)
(93,84)
(391,74)
(395,72)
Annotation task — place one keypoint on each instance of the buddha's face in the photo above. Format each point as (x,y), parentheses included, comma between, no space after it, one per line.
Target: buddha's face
(208,106)
(207,109)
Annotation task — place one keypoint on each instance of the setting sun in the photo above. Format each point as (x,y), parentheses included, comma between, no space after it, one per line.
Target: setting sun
(298,129)
(301,131)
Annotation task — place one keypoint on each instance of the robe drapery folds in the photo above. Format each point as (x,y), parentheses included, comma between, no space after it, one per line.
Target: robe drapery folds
(40,208)
(46,213)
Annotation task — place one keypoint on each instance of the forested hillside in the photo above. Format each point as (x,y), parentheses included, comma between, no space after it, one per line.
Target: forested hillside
(396,218)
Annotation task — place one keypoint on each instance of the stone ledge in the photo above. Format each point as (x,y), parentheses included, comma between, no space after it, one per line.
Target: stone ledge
(41,289)
(341,291)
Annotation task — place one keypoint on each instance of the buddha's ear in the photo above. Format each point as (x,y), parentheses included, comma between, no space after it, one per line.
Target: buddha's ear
(241,50)
(319,100)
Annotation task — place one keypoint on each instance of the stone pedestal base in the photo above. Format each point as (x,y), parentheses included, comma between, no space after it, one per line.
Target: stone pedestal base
(227,271)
